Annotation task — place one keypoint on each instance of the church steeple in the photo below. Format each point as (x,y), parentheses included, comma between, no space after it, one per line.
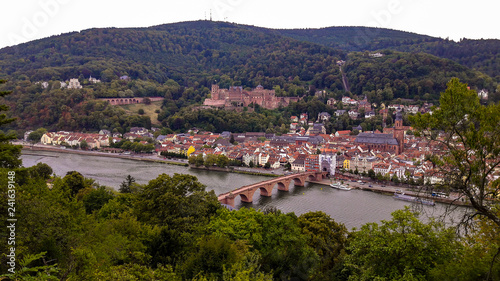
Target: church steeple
(399,133)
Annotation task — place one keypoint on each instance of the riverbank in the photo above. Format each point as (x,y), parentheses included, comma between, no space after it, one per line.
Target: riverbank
(233,170)
(390,190)
(146,158)
(30,150)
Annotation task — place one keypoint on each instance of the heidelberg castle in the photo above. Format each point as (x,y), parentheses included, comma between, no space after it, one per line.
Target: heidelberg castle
(236,96)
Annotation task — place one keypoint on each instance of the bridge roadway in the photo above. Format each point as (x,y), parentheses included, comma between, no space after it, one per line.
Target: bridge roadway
(266,187)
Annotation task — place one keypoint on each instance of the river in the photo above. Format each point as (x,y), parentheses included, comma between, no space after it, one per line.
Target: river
(352,208)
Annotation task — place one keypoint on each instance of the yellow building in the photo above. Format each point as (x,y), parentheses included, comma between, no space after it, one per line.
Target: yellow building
(347,164)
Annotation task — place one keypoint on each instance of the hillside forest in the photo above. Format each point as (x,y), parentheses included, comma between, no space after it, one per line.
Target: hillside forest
(181,61)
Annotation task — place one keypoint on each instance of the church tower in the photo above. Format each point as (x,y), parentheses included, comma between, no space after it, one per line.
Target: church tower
(399,133)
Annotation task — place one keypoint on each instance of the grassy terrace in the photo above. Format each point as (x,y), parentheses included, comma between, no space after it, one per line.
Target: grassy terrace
(149,110)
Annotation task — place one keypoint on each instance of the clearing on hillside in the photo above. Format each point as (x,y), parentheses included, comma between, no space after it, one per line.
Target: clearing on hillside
(149,110)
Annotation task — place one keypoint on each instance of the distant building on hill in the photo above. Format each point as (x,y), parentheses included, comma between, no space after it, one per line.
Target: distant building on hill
(94,80)
(483,94)
(74,84)
(236,96)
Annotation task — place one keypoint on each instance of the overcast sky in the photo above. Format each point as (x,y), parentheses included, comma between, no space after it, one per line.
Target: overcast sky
(26,20)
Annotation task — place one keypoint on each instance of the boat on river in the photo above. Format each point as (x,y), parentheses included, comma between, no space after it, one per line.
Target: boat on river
(340,186)
(405,197)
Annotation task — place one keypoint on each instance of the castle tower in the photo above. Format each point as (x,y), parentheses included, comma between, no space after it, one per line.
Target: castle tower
(215,92)
(399,133)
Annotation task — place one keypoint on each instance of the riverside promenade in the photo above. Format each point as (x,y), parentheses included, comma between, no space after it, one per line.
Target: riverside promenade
(385,188)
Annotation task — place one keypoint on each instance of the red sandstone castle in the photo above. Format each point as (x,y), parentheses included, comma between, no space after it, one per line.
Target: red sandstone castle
(235,96)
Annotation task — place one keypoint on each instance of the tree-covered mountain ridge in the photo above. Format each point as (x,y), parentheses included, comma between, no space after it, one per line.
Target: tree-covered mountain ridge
(480,54)
(194,50)
(180,61)
(185,54)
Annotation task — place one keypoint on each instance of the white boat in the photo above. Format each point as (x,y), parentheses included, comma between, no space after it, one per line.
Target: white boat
(340,186)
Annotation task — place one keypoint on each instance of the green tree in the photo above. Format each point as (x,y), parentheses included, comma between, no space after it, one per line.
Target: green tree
(471,141)
(36,136)
(192,160)
(84,145)
(51,223)
(213,255)
(180,207)
(134,271)
(328,239)
(276,236)
(222,161)
(126,185)
(395,179)
(400,249)
(9,153)
(288,166)
(199,160)
(140,111)
(27,272)
(95,199)
(210,160)
(267,165)
(41,170)
(74,181)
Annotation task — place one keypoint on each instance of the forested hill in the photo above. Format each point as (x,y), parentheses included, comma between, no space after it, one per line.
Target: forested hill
(357,38)
(483,54)
(186,52)
(180,62)
(194,52)
(417,76)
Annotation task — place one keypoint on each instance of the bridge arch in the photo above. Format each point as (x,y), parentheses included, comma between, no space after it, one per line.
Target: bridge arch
(298,181)
(245,198)
(282,185)
(266,191)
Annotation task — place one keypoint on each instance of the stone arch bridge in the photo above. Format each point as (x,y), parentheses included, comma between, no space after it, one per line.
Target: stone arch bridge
(266,187)
(124,101)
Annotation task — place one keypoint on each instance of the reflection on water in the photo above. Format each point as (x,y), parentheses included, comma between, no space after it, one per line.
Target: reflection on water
(352,208)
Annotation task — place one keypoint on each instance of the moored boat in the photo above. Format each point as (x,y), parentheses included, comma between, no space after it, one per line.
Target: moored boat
(404,197)
(340,186)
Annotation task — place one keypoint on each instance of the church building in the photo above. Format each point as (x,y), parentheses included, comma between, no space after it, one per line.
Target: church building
(393,143)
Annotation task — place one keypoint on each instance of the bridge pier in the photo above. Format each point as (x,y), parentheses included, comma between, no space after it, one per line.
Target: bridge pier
(299,181)
(284,185)
(266,190)
(228,200)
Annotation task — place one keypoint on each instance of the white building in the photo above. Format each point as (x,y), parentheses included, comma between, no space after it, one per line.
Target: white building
(328,163)
(94,80)
(74,84)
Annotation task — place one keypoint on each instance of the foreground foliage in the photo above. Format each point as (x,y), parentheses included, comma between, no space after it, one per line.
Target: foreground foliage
(172,229)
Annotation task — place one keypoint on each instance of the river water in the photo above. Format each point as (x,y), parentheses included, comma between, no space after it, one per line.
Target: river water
(352,208)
